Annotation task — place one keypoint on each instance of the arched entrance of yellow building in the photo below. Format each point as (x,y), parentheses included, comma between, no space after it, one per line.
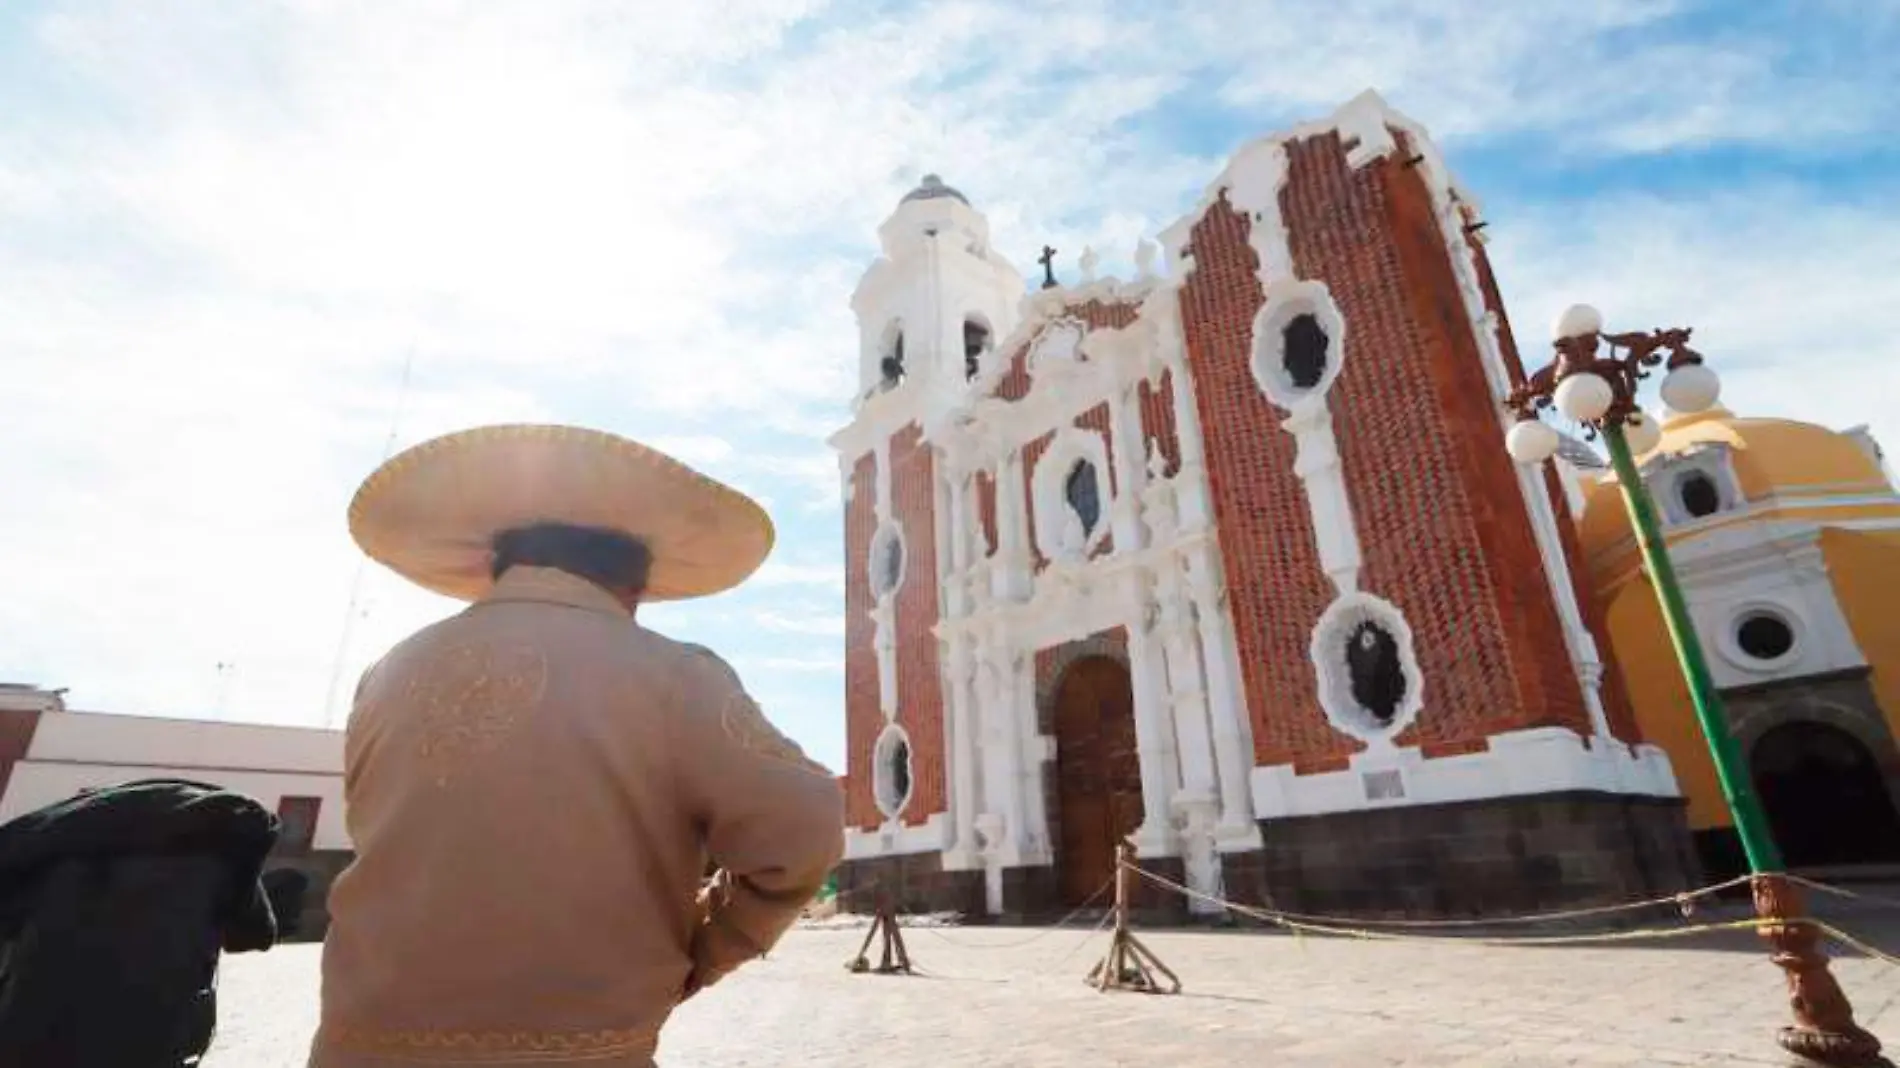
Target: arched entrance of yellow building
(1826,797)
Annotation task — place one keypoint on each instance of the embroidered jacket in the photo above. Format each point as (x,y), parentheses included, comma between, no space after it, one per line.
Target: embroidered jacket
(534,787)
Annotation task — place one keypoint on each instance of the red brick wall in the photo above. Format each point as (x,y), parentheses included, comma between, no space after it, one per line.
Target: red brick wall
(1442,527)
(1032,453)
(1499,641)
(919,677)
(986,510)
(1157,421)
(1616,701)
(863,720)
(919,682)
(1266,537)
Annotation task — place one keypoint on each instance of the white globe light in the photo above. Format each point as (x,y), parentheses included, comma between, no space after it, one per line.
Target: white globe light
(1584,396)
(1531,441)
(1691,388)
(1577,321)
(1642,433)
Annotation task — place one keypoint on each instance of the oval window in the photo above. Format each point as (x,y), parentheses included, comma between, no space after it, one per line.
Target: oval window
(1765,636)
(887,561)
(1378,677)
(1699,495)
(1083,491)
(1304,351)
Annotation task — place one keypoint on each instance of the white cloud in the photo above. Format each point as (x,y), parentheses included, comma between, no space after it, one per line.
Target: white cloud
(831,626)
(225,228)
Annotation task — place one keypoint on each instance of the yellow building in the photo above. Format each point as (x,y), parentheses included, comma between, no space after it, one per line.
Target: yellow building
(1786,538)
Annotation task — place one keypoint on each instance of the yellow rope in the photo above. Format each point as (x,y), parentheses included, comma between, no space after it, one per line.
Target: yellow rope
(1856,944)
(1679,900)
(1299,926)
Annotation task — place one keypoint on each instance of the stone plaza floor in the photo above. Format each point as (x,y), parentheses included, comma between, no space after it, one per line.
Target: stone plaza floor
(1015,997)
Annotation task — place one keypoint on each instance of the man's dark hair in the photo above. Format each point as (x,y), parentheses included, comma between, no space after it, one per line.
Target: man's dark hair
(603,557)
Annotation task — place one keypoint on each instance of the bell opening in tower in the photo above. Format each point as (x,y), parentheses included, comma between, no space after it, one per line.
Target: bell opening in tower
(976,342)
(891,368)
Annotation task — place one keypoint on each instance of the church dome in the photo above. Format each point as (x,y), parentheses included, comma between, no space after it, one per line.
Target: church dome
(1770,457)
(932,188)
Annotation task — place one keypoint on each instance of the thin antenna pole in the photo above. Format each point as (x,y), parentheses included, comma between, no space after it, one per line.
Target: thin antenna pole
(351,613)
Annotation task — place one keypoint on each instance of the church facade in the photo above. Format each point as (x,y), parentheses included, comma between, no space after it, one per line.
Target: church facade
(1228,559)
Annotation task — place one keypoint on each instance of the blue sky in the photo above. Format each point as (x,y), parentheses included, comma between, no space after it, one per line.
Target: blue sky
(224,231)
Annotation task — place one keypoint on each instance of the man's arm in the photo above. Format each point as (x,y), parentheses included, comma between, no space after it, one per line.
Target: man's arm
(773,818)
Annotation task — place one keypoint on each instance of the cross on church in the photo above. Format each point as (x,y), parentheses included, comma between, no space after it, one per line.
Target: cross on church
(1048,261)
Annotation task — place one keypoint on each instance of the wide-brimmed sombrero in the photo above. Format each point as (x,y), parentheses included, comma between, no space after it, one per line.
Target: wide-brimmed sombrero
(431,513)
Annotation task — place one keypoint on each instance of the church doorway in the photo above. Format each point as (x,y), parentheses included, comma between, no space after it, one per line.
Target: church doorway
(1098,773)
(1827,800)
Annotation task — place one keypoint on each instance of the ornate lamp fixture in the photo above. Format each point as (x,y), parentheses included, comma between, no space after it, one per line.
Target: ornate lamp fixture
(1599,391)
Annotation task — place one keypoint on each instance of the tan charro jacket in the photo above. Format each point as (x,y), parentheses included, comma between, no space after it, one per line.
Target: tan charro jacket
(533,789)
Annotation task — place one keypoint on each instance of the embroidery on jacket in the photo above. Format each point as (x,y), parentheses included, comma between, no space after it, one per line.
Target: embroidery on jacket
(511,1046)
(752,732)
(469,699)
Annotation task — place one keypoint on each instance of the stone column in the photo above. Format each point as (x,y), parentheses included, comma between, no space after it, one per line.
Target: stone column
(1154,731)
(1006,812)
(1196,510)
(1010,580)
(965,799)
(1130,472)
(1580,643)
(1186,692)
(1233,743)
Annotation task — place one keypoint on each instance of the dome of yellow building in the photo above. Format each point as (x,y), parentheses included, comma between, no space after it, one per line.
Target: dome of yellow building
(1785,540)
(1770,458)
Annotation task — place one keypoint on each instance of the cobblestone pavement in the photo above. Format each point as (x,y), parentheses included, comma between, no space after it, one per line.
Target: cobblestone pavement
(1014,996)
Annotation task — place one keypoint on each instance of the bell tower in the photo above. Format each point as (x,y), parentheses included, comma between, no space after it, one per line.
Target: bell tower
(932,307)
(931,310)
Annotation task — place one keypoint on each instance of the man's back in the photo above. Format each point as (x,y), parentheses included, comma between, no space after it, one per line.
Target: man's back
(532,789)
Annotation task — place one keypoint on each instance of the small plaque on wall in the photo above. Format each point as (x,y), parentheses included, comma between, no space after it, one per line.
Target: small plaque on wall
(1386,785)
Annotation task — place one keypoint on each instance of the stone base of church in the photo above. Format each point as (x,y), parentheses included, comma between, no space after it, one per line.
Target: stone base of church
(916,883)
(1032,894)
(1497,857)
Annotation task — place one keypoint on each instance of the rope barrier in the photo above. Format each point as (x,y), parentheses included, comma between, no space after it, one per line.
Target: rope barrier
(1301,926)
(1843,892)
(1683,901)
(1038,936)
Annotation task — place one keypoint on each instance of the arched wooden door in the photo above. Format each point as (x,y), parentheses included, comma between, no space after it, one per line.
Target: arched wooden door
(1098,773)
(1826,798)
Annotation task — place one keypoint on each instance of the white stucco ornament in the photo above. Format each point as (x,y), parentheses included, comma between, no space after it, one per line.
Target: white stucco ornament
(1584,397)
(1642,433)
(1531,441)
(1691,388)
(1145,258)
(1578,320)
(1060,343)
(1088,264)
(1362,627)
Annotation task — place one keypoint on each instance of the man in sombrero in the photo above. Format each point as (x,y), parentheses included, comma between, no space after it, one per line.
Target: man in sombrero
(536,785)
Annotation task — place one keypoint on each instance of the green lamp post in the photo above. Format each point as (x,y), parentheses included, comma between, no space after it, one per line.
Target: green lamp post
(1598,390)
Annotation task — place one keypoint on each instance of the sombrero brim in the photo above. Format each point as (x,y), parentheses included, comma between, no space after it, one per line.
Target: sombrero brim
(431,513)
